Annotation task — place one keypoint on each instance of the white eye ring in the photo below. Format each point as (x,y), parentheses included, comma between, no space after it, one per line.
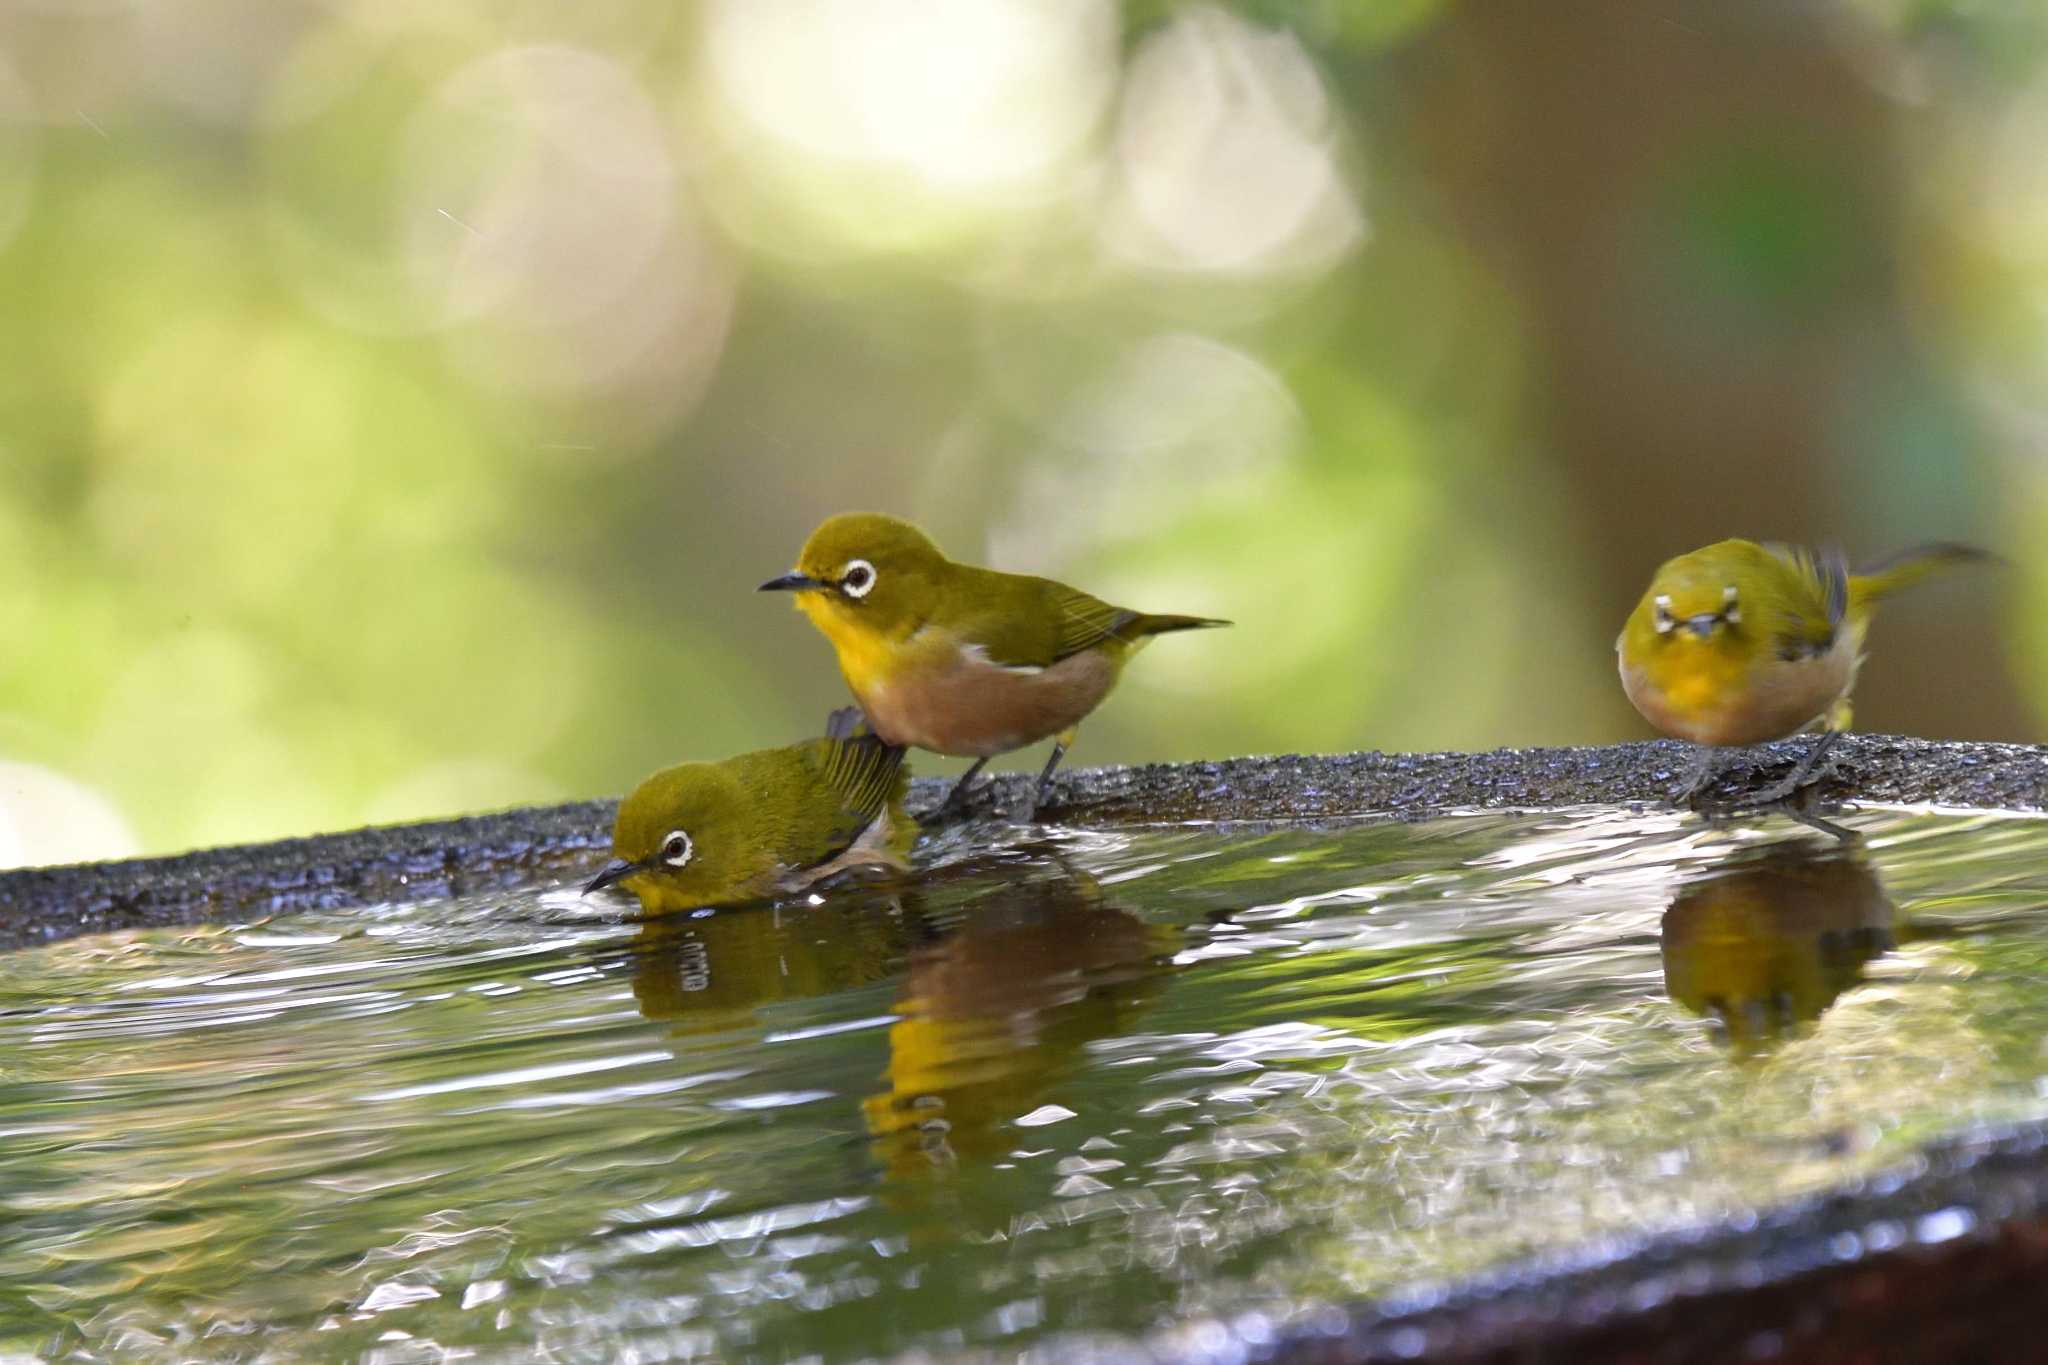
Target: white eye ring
(1664,623)
(677,849)
(857,579)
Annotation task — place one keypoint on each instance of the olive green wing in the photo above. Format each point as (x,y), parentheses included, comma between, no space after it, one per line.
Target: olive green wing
(1024,622)
(1083,622)
(854,777)
(1813,603)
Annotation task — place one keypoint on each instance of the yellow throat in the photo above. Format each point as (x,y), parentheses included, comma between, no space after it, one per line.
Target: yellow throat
(867,657)
(1700,676)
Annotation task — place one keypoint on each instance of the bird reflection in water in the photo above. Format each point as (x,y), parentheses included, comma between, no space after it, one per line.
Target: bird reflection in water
(1767,940)
(711,970)
(1009,967)
(995,1013)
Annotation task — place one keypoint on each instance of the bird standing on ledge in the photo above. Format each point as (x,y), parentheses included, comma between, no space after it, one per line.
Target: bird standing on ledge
(773,821)
(1740,643)
(957,659)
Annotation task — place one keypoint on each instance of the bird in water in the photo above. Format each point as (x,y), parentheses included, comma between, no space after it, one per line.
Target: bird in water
(1740,643)
(957,659)
(766,823)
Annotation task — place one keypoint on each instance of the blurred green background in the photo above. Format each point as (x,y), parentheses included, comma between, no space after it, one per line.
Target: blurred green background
(401,401)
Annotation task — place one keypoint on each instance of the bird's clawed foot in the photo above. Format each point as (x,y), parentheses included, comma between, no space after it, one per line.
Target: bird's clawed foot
(1704,768)
(1809,771)
(954,807)
(1794,795)
(1797,810)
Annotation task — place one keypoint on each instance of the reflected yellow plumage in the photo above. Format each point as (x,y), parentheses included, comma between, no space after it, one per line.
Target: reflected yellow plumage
(992,1016)
(1766,943)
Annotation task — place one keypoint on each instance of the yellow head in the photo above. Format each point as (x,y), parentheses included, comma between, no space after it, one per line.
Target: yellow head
(681,840)
(862,574)
(1694,639)
(1706,600)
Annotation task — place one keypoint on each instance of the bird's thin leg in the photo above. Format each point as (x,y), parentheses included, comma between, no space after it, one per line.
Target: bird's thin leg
(1704,767)
(1802,773)
(1829,827)
(1059,751)
(956,799)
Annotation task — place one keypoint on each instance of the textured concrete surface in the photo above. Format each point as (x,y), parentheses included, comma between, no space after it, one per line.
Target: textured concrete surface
(556,843)
(1878,768)
(327,871)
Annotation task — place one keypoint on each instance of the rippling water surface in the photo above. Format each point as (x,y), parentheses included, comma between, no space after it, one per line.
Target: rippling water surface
(1061,1095)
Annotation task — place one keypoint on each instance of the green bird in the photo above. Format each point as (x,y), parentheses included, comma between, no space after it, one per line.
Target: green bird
(957,659)
(765,823)
(1739,643)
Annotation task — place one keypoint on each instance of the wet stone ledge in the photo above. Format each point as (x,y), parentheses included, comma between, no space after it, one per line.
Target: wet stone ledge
(543,844)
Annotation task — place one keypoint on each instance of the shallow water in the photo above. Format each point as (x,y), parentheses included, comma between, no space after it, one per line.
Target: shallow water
(1063,1096)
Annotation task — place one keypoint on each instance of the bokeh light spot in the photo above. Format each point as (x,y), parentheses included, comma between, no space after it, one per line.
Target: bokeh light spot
(876,122)
(1175,420)
(543,217)
(1226,154)
(47,818)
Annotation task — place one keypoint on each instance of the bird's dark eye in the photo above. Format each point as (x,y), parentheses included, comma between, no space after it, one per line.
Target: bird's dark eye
(857,578)
(676,849)
(1663,617)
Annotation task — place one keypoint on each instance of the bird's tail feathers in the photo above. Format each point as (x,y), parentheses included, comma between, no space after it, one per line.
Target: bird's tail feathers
(848,722)
(1161,625)
(1875,582)
(865,750)
(866,769)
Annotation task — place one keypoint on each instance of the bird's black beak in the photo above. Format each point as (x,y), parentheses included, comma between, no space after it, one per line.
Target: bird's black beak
(615,870)
(1703,624)
(792,582)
